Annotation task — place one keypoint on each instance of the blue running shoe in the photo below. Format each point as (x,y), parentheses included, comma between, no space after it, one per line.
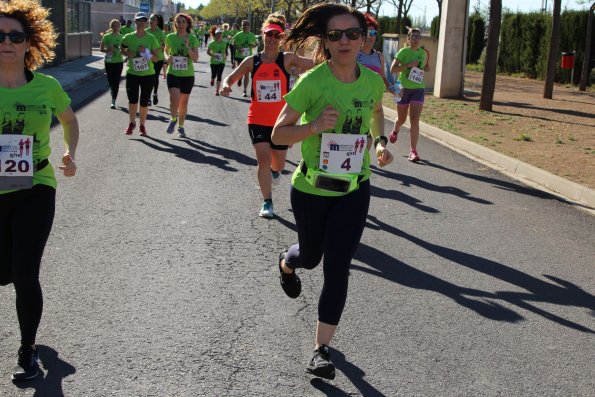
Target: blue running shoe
(171,126)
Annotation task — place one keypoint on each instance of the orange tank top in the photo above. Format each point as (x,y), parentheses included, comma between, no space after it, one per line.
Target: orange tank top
(270,81)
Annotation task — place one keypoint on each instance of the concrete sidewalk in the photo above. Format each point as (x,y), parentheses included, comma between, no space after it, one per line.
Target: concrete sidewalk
(74,73)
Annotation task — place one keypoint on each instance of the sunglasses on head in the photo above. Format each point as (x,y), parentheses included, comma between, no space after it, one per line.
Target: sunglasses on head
(273,34)
(351,34)
(15,37)
(372,32)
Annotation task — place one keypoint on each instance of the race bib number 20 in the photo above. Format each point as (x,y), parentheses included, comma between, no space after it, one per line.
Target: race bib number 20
(16,162)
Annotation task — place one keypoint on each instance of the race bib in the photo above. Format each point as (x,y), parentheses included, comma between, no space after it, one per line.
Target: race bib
(180,63)
(108,56)
(16,162)
(218,57)
(140,64)
(416,75)
(268,90)
(245,52)
(342,153)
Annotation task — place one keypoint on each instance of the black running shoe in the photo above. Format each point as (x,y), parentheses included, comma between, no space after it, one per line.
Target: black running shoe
(320,364)
(290,283)
(155,99)
(27,364)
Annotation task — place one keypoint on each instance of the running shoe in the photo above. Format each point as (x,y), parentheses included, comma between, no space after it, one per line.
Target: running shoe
(113,104)
(171,126)
(216,92)
(291,283)
(320,364)
(239,82)
(393,136)
(142,130)
(267,209)
(244,94)
(181,132)
(212,82)
(276,177)
(27,364)
(413,156)
(155,99)
(130,128)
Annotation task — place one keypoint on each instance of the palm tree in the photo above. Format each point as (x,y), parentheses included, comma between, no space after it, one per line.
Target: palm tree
(488,84)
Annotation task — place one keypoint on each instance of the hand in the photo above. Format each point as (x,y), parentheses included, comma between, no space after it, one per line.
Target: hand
(225,90)
(383,155)
(68,166)
(327,119)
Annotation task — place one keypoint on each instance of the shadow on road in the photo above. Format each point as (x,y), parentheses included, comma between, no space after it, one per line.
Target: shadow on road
(186,154)
(56,370)
(407,180)
(228,154)
(482,302)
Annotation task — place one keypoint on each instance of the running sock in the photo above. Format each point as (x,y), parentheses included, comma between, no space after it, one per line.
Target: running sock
(173,119)
(181,125)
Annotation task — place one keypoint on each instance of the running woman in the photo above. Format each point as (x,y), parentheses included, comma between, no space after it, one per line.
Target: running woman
(232,32)
(27,203)
(411,63)
(181,49)
(330,191)
(244,42)
(270,81)
(111,44)
(142,50)
(217,50)
(156,29)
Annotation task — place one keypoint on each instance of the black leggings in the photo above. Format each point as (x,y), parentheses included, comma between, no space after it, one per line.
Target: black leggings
(217,71)
(133,82)
(331,227)
(114,73)
(26,218)
(158,66)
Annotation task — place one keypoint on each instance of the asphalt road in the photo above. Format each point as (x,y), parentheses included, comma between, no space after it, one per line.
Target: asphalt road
(160,279)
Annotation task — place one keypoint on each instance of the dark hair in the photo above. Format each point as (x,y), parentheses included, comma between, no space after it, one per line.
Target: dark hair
(188,22)
(159,20)
(312,26)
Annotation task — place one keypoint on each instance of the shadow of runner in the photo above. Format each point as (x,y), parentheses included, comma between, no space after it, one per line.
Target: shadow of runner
(186,154)
(564,293)
(56,370)
(227,153)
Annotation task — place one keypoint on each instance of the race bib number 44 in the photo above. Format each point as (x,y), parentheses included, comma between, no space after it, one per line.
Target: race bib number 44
(268,90)
(416,75)
(342,153)
(16,162)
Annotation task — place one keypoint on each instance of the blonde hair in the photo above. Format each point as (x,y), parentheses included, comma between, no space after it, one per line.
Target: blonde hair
(274,19)
(41,36)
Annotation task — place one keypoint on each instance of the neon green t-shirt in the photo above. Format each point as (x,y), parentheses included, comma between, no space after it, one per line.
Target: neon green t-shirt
(133,42)
(28,110)
(243,43)
(176,47)
(407,55)
(232,34)
(160,36)
(355,101)
(111,39)
(124,30)
(218,51)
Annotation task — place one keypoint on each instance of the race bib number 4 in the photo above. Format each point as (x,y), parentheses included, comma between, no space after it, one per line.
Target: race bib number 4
(16,162)
(140,64)
(180,63)
(342,153)
(416,75)
(268,90)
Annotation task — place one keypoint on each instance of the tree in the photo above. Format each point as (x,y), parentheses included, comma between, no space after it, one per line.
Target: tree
(475,37)
(488,85)
(550,74)
(587,60)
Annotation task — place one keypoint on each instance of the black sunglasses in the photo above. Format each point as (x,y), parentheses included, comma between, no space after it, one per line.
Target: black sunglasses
(351,34)
(15,37)
(272,34)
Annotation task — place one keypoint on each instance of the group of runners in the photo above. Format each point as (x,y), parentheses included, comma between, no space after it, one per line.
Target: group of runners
(332,110)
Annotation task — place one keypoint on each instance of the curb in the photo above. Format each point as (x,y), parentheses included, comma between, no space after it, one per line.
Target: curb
(514,168)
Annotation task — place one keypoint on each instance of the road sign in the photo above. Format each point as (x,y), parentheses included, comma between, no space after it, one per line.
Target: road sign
(144,7)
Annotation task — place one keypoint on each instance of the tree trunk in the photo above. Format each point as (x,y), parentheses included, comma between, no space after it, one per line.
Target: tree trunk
(587,59)
(550,74)
(488,84)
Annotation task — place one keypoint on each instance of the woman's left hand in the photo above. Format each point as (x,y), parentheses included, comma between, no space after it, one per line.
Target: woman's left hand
(383,155)
(68,166)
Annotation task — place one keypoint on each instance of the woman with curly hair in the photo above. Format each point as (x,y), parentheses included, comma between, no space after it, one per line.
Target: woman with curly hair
(330,189)
(27,200)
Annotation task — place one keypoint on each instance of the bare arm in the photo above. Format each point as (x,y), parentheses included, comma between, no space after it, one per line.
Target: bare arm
(383,155)
(245,67)
(286,132)
(70,125)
